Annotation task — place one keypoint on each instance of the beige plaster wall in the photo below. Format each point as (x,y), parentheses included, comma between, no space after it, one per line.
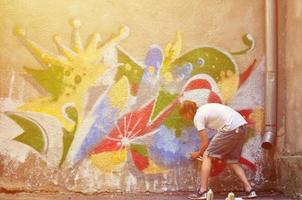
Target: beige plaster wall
(218,23)
(290,74)
(289,140)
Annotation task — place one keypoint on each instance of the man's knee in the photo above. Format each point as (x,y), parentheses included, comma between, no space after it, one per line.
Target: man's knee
(233,165)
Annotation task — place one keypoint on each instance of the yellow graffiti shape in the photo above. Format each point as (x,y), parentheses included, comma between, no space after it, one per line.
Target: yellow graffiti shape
(154,168)
(80,67)
(228,84)
(119,94)
(258,117)
(109,161)
(172,51)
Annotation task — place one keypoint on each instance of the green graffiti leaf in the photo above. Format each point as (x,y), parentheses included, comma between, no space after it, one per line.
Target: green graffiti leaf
(248,40)
(177,122)
(163,100)
(141,149)
(174,120)
(67,140)
(130,69)
(50,79)
(207,60)
(72,113)
(32,135)
(68,136)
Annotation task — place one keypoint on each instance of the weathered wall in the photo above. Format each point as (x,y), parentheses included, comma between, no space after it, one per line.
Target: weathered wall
(102,115)
(289,141)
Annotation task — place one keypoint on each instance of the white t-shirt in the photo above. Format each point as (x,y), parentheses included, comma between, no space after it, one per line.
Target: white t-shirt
(218,117)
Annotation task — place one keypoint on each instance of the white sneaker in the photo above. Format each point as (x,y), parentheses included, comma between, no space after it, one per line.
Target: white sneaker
(198,195)
(251,194)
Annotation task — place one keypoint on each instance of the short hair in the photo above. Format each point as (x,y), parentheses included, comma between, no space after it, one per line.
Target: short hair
(187,106)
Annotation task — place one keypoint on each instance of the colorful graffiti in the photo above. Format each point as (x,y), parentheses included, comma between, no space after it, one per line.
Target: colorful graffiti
(105,107)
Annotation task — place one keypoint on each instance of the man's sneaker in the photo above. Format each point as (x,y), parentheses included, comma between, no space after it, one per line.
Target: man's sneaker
(251,194)
(198,195)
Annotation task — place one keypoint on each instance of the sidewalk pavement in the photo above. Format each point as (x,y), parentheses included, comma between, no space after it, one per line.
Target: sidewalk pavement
(123,196)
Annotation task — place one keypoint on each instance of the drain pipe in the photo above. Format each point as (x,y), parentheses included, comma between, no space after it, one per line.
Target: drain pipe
(269,136)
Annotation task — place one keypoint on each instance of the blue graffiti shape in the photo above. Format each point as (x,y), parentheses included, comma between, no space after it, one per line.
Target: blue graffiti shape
(184,72)
(153,63)
(169,151)
(105,118)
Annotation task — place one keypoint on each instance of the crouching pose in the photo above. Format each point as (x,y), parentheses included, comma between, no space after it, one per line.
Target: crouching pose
(226,144)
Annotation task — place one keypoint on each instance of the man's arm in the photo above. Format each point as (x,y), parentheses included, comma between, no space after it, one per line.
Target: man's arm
(203,145)
(204,141)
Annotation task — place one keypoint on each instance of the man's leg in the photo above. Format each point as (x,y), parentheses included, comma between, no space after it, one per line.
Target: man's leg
(240,173)
(205,172)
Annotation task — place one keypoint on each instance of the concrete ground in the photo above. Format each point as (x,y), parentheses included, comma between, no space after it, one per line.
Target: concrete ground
(121,196)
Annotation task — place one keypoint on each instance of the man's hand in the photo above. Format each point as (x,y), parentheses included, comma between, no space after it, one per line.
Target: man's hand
(195,155)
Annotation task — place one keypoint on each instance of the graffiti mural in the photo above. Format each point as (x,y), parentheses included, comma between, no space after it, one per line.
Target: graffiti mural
(102,109)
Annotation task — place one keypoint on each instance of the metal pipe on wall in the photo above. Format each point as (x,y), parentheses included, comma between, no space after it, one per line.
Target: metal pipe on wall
(269,136)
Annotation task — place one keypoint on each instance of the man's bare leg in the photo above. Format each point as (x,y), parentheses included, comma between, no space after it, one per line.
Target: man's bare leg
(205,172)
(236,167)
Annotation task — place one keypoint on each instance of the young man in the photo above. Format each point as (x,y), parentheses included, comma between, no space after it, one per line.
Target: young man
(226,144)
